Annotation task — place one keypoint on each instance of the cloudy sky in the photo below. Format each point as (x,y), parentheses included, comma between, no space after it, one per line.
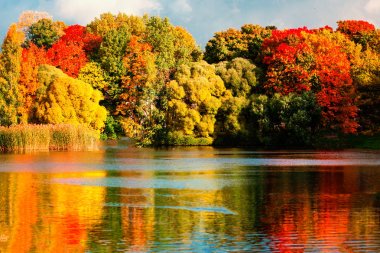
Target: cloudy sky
(203,17)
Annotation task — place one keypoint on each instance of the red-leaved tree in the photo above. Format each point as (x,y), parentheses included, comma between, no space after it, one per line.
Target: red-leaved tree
(300,60)
(358,31)
(70,52)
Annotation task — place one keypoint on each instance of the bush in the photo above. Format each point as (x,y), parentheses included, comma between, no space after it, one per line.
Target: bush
(178,139)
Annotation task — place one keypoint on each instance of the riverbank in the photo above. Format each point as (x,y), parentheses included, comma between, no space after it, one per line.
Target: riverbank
(22,138)
(350,142)
(47,137)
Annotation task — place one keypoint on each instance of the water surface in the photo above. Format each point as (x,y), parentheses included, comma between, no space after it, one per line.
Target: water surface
(124,199)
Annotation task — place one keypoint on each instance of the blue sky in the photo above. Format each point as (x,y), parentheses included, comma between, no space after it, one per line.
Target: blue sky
(203,17)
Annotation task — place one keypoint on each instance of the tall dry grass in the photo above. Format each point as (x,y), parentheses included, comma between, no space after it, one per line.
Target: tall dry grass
(47,137)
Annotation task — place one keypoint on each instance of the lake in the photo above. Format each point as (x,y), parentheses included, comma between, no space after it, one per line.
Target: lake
(199,199)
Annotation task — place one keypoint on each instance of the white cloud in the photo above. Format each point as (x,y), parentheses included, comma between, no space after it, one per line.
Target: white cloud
(83,11)
(373,6)
(181,6)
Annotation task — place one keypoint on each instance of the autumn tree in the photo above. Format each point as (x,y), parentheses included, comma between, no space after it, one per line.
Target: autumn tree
(194,100)
(359,31)
(10,64)
(135,103)
(45,32)
(160,35)
(93,74)
(366,77)
(74,46)
(234,124)
(63,99)
(111,53)
(32,58)
(233,43)
(186,48)
(285,120)
(365,69)
(301,60)
(140,75)
(107,21)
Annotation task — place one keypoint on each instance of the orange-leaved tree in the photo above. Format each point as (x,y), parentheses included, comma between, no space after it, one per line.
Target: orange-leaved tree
(136,100)
(140,72)
(359,31)
(32,58)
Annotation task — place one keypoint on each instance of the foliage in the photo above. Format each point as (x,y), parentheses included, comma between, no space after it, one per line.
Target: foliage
(232,43)
(286,120)
(301,60)
(10,65)
(32,58)
(186,48)
(365,70)
(359,31)
(112,129)
(111,53)
(22,138)
(44,33)
(174,46)
(194,100)
(140,73)
(179,139)
(93,74)
(240,77)
(62,99)
(136,104)
(107,21)
(160,36)
(367,81)
(74,46)
(266,86)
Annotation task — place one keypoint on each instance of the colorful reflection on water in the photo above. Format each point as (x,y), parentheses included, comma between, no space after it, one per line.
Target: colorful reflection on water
(124,199)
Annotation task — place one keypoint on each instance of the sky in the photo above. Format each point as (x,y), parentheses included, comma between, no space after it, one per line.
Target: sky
(203,17)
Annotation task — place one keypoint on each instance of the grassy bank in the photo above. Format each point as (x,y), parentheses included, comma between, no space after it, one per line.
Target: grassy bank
(47,137)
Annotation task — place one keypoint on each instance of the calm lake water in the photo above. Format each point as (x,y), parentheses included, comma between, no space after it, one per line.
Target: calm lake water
(121,199)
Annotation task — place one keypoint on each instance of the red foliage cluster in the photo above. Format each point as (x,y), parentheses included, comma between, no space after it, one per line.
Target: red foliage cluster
(78,35)
(289,36)
(326,27)
(336,90)
(70,52)
(297,64)
(285,51)
(355,27)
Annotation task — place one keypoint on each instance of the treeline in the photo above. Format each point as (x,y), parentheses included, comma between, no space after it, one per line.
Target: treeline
(145,78)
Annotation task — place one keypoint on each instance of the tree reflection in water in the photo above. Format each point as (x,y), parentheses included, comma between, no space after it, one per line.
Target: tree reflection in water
(62,202)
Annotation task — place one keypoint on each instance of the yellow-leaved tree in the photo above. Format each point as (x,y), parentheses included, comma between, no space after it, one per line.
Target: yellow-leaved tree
(63,99)
(10,62)
(195,97)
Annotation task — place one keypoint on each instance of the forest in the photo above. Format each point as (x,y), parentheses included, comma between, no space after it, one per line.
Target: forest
(147,79)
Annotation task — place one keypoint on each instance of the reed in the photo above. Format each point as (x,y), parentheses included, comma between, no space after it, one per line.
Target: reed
(47,137)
